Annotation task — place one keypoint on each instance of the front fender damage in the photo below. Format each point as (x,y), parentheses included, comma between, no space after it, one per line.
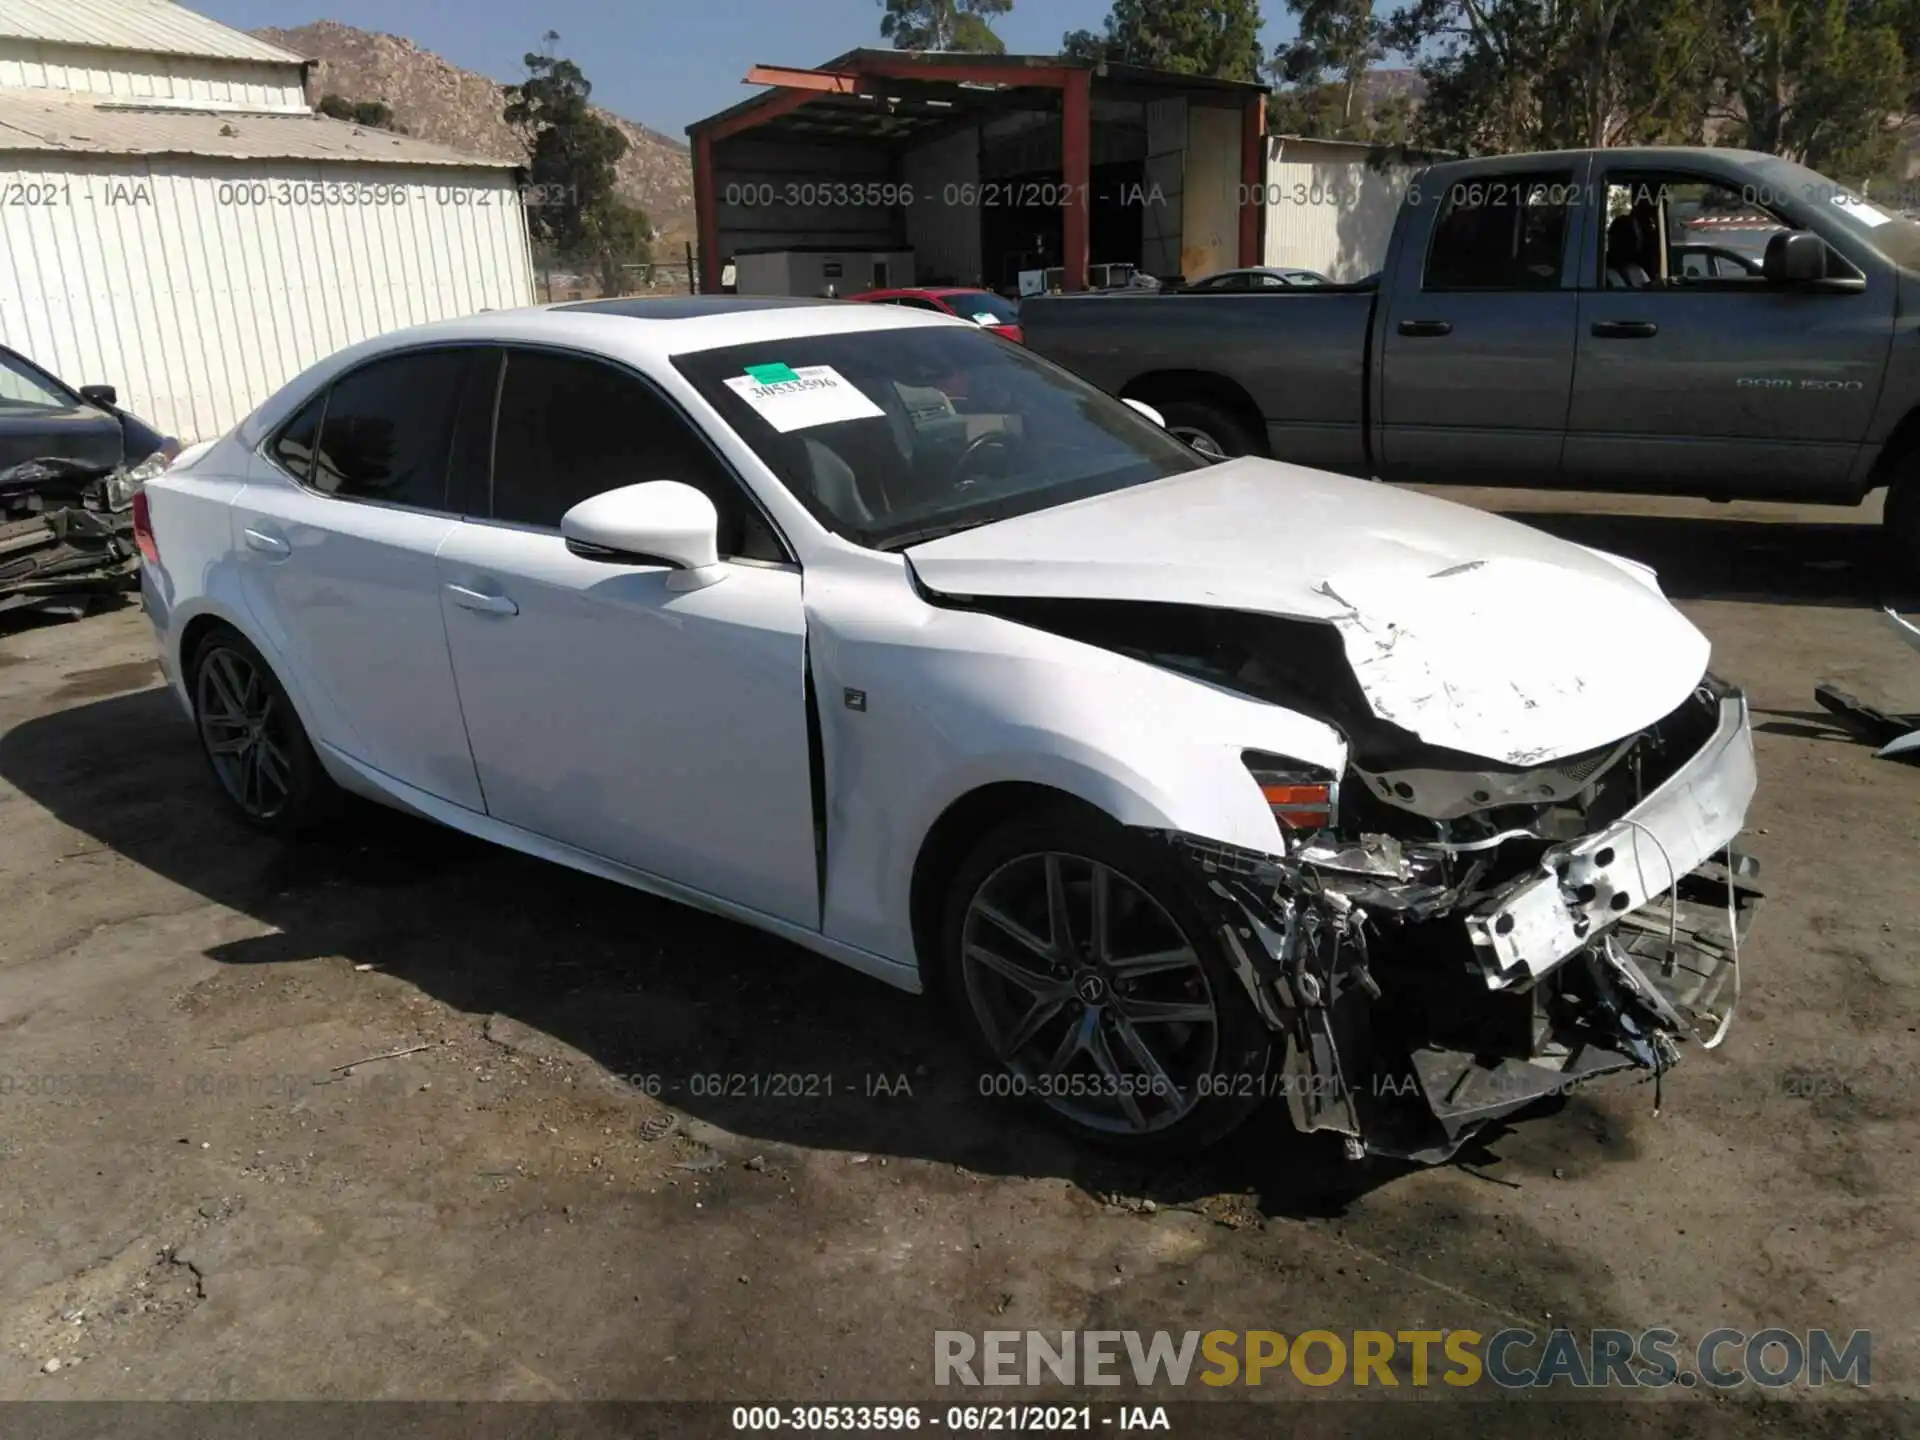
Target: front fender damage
(1418,1000)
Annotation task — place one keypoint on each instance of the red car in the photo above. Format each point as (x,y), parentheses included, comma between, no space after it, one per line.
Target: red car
(983,307)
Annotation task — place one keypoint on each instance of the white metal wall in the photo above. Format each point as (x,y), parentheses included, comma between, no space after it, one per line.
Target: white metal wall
(943,222)
(1328,209)
(197,287)
(1210,198)
(151,79)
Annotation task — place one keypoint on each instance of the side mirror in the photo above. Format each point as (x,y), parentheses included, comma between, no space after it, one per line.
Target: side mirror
(100,394)
(1795,256)
(661,522)
(1147,410)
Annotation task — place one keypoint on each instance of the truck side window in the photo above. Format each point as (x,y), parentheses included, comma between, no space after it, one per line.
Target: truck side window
(1678,230)
(1506,232)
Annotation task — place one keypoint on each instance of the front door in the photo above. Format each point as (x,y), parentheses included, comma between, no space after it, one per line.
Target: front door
(336,531)
(1478,344)
(665,730)
(1692,379)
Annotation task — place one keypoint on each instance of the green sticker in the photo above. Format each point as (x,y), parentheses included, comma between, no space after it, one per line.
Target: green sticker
(771,374)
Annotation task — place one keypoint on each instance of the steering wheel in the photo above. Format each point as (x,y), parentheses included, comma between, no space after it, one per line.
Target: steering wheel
(991,447)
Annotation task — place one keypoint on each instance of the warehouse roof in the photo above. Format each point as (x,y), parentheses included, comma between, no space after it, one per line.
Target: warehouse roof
(152,27)
(30,121)
(901,94)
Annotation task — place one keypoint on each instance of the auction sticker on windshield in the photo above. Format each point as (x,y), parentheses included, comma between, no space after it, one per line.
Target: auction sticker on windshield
(1861,210)
(790,399)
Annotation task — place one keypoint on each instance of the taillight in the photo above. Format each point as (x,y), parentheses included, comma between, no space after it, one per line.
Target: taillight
(1301,797)
(143,528)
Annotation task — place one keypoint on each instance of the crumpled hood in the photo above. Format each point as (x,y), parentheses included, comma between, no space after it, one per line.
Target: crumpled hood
(1472,631)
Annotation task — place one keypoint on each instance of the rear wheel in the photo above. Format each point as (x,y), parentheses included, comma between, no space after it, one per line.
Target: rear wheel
(253,740)
(1210,429)
(1093,987)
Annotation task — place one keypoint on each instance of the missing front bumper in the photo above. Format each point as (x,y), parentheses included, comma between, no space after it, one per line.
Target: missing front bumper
(1409,1025)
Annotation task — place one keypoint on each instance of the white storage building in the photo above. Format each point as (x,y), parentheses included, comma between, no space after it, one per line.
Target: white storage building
(177,221)
(1331,204)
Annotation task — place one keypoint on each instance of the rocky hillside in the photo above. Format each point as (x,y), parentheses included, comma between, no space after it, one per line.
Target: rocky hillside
(450,106)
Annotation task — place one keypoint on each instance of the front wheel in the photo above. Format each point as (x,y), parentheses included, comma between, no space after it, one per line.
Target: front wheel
(1091,983)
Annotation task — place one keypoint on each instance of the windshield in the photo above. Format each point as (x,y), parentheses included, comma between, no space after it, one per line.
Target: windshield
(972,304)
(891,437)
(1892,234)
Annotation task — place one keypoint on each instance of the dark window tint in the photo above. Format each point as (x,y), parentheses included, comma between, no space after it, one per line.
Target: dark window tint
(293,447)
(388,427)
(1502,233)
(570,428)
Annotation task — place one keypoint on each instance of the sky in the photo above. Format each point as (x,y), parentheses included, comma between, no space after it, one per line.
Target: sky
(663,63)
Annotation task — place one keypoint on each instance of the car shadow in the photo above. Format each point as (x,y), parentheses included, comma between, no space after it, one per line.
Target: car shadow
(1770,561)
(652,991)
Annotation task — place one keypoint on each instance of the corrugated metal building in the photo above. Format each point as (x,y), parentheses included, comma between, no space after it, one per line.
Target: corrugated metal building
(1331,204)
(177,222)
(984,166)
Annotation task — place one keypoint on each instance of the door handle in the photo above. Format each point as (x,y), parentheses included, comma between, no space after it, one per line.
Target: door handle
(1625,329)
(266,543)
(1426,328)
(479,600)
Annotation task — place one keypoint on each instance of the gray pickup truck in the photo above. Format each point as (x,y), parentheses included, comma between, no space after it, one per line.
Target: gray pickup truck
(1680,321)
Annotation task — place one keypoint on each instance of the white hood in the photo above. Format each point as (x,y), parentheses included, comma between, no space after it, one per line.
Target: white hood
(1474,632)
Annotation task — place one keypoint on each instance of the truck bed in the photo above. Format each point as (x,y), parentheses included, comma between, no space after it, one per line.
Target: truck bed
(1304,352)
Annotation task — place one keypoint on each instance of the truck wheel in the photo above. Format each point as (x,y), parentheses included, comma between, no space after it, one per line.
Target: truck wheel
(1900,526)
(1093,988)
(1210,430)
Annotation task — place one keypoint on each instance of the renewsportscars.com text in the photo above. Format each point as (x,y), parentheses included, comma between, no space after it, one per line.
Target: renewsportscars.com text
(1512,1359)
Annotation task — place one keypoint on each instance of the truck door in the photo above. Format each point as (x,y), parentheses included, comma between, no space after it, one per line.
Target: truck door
(1708,381)
(1477,350)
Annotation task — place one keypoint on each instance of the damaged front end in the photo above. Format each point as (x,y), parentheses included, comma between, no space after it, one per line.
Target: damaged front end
(66,533)
(1456,942)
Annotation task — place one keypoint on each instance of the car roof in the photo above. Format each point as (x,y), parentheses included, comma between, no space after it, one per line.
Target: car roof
(644,332)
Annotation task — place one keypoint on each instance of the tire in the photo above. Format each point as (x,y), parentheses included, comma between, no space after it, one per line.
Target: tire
(273,779)
(1197,1080)
(1209,429)
(1900,529)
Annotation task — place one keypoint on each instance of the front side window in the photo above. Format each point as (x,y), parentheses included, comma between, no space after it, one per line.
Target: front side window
(1673,230)
(570,427)
(894,436)
(386,431)
(22,387)
(1506,232)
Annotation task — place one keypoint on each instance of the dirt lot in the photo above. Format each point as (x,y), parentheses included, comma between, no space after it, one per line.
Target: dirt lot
(222,1197)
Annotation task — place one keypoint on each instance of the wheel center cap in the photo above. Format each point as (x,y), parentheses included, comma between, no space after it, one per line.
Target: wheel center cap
(1091,987)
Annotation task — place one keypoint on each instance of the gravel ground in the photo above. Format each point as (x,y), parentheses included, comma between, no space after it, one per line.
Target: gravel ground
(538,1195)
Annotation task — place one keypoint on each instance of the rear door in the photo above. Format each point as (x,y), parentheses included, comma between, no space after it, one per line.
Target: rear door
(336,532)
(1701,378)
(1478,337)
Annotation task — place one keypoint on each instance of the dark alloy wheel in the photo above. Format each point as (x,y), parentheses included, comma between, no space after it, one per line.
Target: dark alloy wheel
(1082,972)
(254,741)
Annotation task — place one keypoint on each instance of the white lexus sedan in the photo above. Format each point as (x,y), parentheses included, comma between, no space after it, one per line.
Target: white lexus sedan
(1184,784)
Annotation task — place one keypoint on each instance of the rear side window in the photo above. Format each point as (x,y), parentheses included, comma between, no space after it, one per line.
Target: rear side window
(1503,233)
(292,448)
(570,428)
(387,430)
